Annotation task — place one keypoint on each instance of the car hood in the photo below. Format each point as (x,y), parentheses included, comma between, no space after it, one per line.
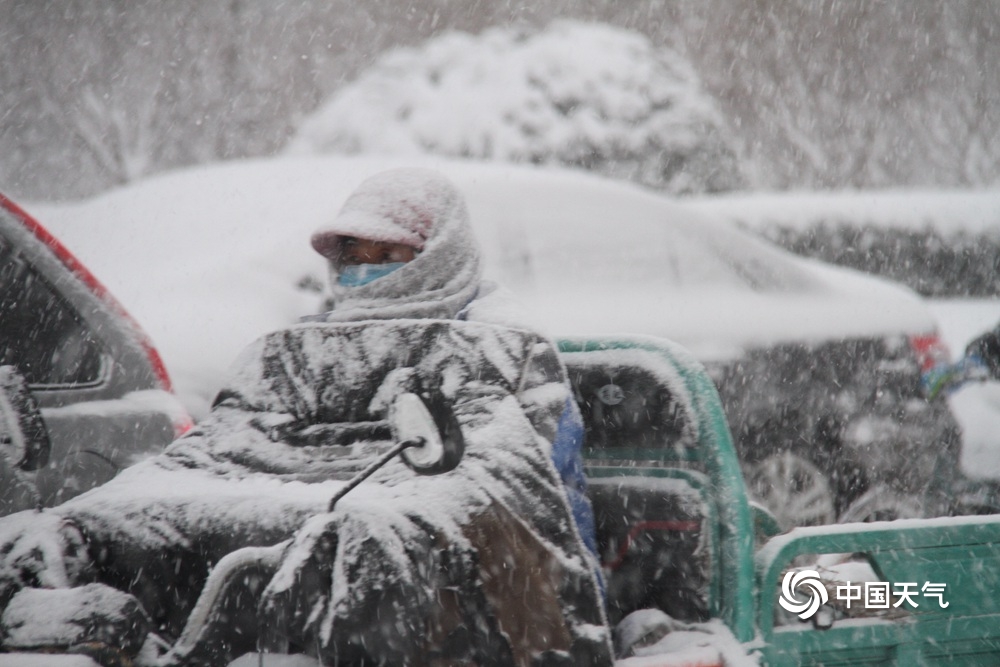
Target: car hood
(210,258)
(593,256)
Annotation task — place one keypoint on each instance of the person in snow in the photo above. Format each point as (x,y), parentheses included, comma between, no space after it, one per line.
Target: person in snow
(481,565)
(402,247)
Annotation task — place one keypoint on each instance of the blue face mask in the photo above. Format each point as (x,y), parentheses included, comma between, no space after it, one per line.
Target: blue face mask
(357,275)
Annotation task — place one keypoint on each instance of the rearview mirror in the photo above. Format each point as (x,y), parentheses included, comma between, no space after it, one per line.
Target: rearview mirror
(24,440)
(430,426)
(428,438)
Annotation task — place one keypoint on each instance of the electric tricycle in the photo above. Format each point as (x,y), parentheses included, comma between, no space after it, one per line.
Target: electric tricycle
(692,572)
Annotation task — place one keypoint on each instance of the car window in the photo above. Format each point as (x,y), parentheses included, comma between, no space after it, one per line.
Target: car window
(41,334)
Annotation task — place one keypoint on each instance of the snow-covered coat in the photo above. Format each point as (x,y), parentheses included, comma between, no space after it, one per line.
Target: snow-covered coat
(483,561)
(423,209)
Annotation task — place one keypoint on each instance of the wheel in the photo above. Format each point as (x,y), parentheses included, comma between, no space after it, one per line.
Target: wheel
(796,491)
(880,503)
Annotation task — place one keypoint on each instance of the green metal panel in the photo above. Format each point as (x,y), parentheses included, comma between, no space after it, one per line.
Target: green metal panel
(959,552)
(715,449)
(962,553)
(644,454)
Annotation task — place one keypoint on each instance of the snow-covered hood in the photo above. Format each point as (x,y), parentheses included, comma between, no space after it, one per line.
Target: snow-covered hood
(209,258)
(445,274)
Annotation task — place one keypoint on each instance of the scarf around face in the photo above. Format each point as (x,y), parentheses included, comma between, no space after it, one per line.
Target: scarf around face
(444,276)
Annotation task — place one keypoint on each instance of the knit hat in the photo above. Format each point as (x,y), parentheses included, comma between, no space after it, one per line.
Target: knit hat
(398,206)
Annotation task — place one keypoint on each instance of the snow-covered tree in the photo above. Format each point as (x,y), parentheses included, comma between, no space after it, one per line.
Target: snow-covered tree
(579,94)
(817,94)
(855,94)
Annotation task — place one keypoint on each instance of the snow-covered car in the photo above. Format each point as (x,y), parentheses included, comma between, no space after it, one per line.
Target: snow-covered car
(819,367)
(83,393)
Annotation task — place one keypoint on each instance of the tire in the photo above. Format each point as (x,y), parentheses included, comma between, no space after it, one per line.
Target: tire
(794,489)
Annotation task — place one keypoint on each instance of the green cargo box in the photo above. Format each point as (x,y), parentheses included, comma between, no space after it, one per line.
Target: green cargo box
(667,490)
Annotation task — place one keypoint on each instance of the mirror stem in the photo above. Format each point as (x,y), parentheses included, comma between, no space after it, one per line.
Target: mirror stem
(367,472)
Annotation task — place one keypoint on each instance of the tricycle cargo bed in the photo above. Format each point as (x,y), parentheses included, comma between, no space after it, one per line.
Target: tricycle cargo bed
(951,567)
(694,574)
(671,504)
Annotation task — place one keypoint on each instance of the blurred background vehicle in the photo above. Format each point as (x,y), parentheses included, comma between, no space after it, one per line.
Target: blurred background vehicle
(819,366)
(83,393)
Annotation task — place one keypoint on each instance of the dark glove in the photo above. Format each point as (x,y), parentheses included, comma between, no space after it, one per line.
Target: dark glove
(296,602)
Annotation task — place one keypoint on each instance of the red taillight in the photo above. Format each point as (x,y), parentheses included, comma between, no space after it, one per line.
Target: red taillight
(930,351)
(182,424)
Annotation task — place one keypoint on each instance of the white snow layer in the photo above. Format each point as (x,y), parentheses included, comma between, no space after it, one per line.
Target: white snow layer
(44,660)
(945,211)
(34,617)
(209,258)
(654,639)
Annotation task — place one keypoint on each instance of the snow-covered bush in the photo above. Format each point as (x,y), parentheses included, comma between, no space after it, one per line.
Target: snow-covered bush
(578,94)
